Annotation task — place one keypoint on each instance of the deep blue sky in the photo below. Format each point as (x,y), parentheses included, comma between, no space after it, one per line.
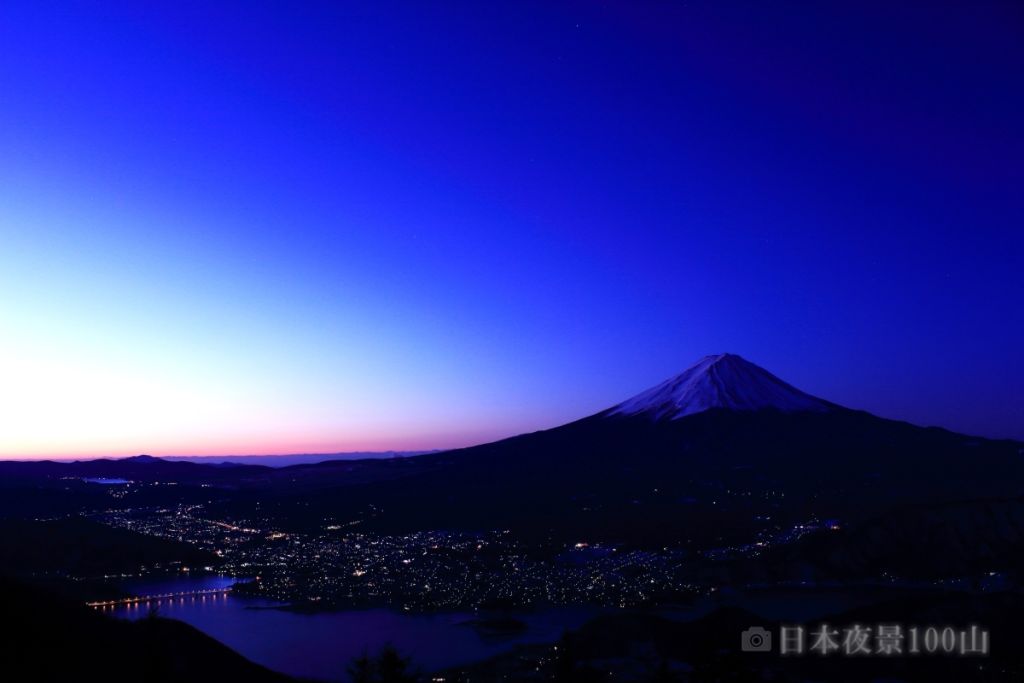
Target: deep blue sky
(273,227)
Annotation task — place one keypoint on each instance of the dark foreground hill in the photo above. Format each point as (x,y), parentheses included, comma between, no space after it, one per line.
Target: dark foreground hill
(52,640)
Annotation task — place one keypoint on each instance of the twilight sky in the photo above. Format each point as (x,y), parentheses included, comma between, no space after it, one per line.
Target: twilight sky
(284,227)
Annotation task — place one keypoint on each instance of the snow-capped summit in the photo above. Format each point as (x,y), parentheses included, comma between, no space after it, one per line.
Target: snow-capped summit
(721,381)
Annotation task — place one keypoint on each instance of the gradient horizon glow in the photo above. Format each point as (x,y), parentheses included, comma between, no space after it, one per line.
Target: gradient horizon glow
(320,227)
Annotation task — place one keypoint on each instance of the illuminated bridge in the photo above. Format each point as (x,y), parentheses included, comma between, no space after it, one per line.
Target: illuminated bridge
(141,599)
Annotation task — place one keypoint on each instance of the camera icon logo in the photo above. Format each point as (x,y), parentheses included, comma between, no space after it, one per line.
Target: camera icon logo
(756,639)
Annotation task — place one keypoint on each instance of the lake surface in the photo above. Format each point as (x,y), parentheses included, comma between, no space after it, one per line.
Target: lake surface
(321,646)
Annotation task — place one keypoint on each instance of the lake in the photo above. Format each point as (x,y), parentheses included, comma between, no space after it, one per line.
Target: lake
(322,645)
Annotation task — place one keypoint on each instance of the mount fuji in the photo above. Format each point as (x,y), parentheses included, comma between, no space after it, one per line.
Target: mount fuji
(720,452)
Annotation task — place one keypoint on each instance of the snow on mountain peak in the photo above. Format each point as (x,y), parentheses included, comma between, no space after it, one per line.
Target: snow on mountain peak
(720,381)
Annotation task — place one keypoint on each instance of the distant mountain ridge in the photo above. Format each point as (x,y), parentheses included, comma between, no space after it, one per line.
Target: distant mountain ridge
(291,459)
(270,460)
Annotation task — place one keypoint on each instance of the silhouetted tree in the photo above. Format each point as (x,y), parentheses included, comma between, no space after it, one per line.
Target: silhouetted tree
(393,667)
(387,667)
